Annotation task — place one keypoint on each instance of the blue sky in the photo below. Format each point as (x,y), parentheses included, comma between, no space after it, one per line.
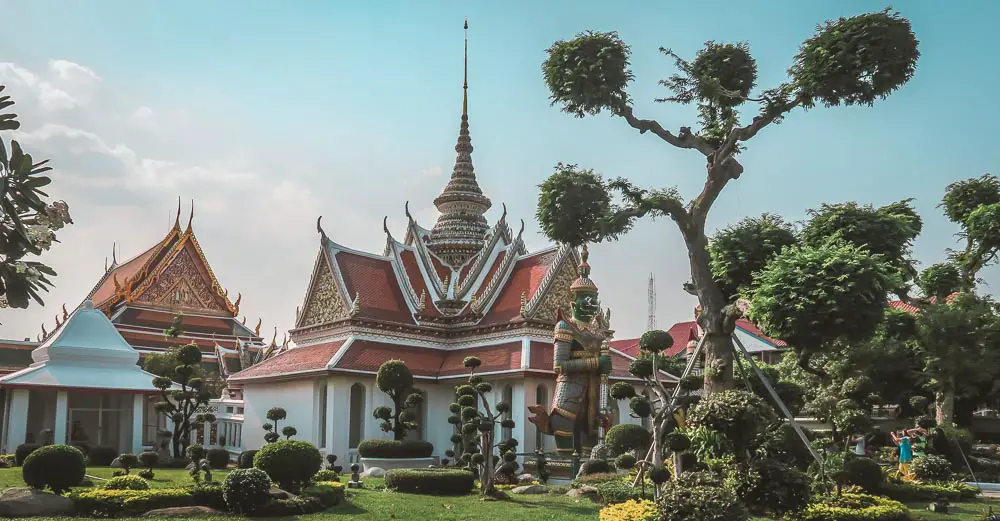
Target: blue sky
(351,108)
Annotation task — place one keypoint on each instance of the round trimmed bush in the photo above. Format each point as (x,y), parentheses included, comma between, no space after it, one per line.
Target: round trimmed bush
(126,483)
(195,452)
(769,486)
(696,497)
(289,463)
(326,475)
(739,415)
(218,458)
(595,466)
(22,451)
(626,461)
(57,467)
(149,459)
(246,490)
(626,437)
(435,482)
(855,507)
(245,461)
(146,474)
(393,449)
(863,472)
(102,456)
(932,468)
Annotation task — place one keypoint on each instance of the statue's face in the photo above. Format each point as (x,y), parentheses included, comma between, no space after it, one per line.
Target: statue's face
(585,306)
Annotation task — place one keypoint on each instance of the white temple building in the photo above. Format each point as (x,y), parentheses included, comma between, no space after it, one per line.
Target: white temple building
(83,388)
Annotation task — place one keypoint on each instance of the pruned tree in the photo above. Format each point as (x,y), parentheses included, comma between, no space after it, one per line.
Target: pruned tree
(180,397)
(849,61)
(396,380)
(27,222)
(275,415)
(479,422)
(163,364)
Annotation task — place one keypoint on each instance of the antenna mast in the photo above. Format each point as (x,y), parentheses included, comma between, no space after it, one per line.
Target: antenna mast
(651,319)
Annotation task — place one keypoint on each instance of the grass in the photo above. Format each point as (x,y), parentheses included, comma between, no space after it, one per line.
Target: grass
(163,478)
(964,511)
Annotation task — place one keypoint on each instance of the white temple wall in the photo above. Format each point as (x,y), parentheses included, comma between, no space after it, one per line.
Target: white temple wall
(296,397)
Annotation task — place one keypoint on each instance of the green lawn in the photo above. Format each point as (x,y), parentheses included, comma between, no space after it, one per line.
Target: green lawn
(164,478)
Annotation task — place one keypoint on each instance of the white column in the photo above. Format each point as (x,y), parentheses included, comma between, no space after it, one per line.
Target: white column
(337,400)
(62,418)
(518,410)
(138,422)
(17,420)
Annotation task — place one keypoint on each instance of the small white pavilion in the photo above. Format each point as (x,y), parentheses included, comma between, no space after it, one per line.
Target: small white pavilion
(84,388)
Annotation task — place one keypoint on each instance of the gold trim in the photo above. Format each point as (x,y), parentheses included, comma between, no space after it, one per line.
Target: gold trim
(563,412)
(562,433)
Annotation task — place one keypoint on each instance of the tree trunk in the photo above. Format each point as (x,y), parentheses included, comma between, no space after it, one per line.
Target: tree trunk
(944,401)
(718,329)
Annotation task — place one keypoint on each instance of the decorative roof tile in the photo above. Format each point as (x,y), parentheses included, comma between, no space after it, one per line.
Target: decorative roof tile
(374,280)
(524,279)
(298,360)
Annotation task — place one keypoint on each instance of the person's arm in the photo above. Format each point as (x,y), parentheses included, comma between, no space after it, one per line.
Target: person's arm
(895,438)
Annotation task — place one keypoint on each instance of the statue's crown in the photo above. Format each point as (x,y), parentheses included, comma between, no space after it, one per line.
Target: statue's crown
(583,282)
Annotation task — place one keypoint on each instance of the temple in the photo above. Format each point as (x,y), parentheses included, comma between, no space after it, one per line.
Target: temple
(142,295)
(431,298)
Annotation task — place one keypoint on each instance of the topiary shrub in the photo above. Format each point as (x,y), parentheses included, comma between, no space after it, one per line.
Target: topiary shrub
(326,475)
(246,490)
(864,473)
(738,415)
(617,491)
(57,467)
(128,461)
(290,463)
(146,474)
(149,459)
(932,468)
(641,509)
(854,507)
(626,461)
(436,482)
(22,451)
(245,461)
(595,466)
(195,452)
(393,449)
(770,487)
(218,458)
(102,456)
(627,437)
(126,483)
(697,496)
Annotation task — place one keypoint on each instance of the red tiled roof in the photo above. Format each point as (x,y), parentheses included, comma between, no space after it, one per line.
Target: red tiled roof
(489,274)
(412,270)
(749,327)
(106,290)
(367,355)
(499,357)
(525,278)
(910,308)
(619,366)
(681,332)
(375,280)
(299,359)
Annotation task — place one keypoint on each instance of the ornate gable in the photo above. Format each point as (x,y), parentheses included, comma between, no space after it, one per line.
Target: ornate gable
(184,284)
(324,303)
(556,293)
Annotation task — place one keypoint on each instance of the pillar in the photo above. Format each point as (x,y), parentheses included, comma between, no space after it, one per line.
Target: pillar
(138,422)
(338,410)
(62,418)
(518,410)
(17,420)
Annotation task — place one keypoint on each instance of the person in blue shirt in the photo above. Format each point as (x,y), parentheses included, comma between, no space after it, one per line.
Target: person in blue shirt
(905,443)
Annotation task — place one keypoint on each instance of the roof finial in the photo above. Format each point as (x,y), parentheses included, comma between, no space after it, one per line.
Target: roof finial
(65,313)
(465,75)
(191,218)
(406,207)
(177,219)
(256,329)
(114,256)
(319,227)
(503,218)
(385,226)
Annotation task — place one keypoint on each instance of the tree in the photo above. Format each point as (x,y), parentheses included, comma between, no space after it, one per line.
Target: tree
(27,222)
(974,204)
(850,61)
(163,364)
(182,392)
(479,423)
(275,415)
(396,380)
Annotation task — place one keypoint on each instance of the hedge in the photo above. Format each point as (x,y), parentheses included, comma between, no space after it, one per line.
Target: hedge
(854,507)
(392,449)
(435,482)
(113,503)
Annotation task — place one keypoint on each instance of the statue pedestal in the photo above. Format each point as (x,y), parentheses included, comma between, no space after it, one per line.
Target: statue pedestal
(355,484)
(399,463)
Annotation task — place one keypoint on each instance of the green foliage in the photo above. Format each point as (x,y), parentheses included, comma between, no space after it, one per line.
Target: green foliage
(246,490)
(677,441)
(699,497)
(864,473)
(769,486)
(961,198)
(165,363)
(128,461)
(856,60)
(574,207)
(289,463)
(655,341)
(932,468)
(149,459)
(326,475)
(887,231)
(27,223)
(329,493)
(116,503)
(626,437)
(217,458)
(245,461)
(396,380)
(182,392)
(912,491)
(24,450)
(56,467)
(196,452)
(626,461)
(589,73)
(744,248)
(378,448)
(807,294)
(439,482)
(126,483)
(854,507)
(622,391)
(738,415)
(617,491)
(641,367)
(940,280)
(595,466)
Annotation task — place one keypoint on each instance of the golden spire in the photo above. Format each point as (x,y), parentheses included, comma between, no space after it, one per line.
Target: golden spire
(191,218)
(465,73)
(177,219)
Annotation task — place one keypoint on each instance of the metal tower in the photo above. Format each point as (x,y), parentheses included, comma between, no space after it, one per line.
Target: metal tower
(651,319)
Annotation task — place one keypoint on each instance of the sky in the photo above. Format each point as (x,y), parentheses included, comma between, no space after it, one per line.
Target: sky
(269,114)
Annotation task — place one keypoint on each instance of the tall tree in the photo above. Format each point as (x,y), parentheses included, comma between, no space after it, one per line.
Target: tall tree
(849,61)
(27,222)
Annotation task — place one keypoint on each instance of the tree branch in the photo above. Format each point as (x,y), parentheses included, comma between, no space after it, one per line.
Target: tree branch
(683,139)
